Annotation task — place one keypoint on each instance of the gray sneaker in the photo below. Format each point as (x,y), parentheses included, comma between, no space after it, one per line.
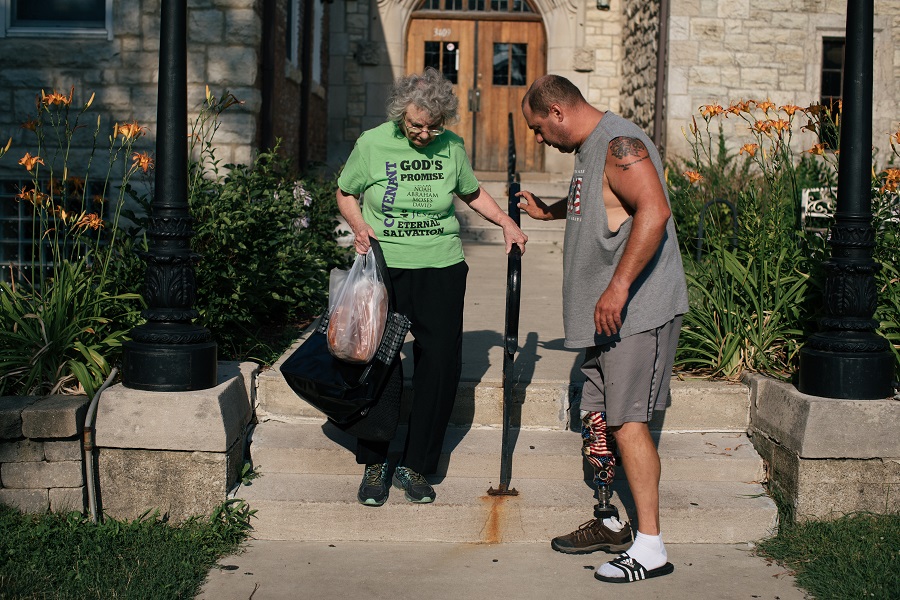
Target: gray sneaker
(373,491)
(416,487)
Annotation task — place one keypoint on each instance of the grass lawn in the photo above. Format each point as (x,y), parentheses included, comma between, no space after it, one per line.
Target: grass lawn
(54,556)
(856,556)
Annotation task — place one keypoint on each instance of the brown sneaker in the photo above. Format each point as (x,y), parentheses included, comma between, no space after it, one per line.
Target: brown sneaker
(593,536)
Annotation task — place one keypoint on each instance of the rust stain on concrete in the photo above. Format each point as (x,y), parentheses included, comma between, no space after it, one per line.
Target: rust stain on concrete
(495,520)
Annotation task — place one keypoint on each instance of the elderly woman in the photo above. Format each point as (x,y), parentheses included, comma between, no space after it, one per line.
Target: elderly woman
(407,170)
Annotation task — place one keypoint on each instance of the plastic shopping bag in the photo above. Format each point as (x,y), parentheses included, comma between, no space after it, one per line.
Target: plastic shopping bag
(358,313)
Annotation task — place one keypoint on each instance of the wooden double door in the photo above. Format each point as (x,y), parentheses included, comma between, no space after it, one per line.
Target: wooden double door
(491,63)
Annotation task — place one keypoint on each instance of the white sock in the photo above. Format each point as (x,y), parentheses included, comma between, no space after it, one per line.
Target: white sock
(613,524)
(648,550)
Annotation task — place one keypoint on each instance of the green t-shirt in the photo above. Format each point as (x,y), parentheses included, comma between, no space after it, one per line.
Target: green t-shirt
(408,194)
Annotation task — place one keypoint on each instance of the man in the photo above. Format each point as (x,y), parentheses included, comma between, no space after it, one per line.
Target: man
(624,292)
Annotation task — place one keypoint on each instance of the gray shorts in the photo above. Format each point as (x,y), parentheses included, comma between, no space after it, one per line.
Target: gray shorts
(629,379)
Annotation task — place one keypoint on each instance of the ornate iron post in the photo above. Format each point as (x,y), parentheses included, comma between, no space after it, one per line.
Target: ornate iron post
(847,359)
(169,353)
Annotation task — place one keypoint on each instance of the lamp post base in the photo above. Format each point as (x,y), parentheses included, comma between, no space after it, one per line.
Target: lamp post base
(169,367)
(846,375)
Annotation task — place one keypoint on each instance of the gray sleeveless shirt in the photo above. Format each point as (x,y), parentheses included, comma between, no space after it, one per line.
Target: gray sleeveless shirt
(592,251)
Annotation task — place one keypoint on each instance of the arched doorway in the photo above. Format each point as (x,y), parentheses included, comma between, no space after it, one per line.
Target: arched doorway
(491,50)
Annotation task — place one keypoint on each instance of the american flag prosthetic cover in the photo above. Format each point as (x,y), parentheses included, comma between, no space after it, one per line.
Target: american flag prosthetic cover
(596,449)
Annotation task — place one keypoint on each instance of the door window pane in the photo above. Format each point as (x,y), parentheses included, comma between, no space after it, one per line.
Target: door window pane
(443,56)
(510,61)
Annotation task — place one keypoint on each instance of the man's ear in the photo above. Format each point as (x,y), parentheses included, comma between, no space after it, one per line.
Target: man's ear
(556,112)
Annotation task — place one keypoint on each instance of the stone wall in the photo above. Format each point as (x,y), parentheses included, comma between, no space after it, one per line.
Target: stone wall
(41,453)
(639,53)
(223,43)
(724,51)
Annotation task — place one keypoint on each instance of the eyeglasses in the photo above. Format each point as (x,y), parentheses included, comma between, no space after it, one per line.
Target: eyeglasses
(410,128)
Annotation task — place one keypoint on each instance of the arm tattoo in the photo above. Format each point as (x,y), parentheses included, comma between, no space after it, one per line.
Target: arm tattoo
(626,146)
(622,147)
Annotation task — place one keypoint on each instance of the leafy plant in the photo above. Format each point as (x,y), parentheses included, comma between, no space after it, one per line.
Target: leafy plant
(63,314)
(754,284)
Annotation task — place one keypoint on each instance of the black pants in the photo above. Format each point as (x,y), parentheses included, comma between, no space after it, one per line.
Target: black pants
(433,300)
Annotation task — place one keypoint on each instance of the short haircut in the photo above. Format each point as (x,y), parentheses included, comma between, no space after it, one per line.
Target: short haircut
(430,91)
(551,89)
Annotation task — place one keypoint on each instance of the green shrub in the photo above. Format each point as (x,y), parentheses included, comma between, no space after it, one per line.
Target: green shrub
(267,241)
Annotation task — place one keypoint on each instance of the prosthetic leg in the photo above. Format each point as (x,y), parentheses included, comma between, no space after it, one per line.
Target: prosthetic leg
(598,450)
(603,532)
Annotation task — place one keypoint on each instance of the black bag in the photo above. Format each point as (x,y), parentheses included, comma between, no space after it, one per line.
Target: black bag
(362,399)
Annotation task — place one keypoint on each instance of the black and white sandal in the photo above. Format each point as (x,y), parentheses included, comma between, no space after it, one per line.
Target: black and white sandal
(632,570)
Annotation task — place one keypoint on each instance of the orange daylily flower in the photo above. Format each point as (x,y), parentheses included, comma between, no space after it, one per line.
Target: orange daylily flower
(895,138)
(765,105)
(738,107)
(693,176)
(814,109)
(30,125)
(32,195)
(749,149)
(790,109)
(29,161)
(129,130)
(817,149)
(92,221)
(711,110)
(57,98)
(781,125)
(761,127)
(891,180)
(142,161)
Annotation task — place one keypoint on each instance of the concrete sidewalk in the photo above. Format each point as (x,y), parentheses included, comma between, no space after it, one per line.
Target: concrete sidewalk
(271,570)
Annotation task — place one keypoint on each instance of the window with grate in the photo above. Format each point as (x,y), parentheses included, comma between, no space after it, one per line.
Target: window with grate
(509,6)
(18,225)
(832,83)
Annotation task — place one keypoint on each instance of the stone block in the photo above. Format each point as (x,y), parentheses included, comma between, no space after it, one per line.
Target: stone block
(206,26)
(243,24)
(35,475)
(11,408)
(54,417)
(62,450)
(815,427)
(180,484)
(21,451)
(27,501)
(235,65)
(64,500)
(201,420)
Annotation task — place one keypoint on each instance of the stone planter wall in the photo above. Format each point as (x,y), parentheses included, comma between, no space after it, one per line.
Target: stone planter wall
(41,453)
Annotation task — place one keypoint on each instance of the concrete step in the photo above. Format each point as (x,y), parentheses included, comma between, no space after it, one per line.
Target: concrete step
(294,506)
(697,405)
(710,490)
(317,447)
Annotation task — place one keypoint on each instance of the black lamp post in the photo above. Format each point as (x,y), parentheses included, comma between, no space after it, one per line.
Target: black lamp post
(847,359)
(169,353)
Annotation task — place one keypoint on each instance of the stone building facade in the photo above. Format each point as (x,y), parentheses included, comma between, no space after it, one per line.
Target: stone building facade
(717,51)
